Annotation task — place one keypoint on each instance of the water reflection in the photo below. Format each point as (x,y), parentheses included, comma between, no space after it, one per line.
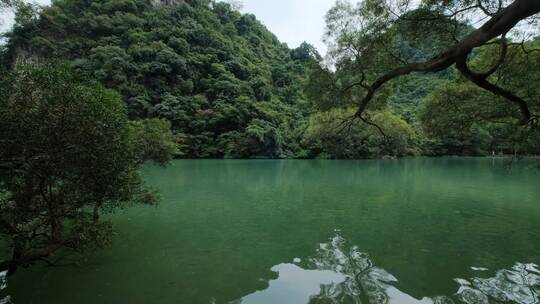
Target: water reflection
(294,285)
(521,284)
(342,274)
(3,285)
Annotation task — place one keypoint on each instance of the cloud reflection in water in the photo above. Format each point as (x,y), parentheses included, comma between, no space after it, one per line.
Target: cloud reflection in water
(342,274)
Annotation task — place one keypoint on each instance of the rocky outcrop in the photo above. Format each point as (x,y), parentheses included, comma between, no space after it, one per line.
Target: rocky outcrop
(167,2)
(24,56)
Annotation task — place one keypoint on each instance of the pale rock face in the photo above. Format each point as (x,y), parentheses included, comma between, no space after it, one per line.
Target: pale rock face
(167,2)
(23,56)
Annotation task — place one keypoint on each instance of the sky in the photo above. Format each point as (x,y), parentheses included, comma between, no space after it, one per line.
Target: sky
(292,21)
(6,18)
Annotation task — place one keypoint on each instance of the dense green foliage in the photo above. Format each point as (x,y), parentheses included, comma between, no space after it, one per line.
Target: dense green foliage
(332,134)
(446,114)
(90,90)
(68,153)
(464,119)
(226,84)
(230,89)
(372,42)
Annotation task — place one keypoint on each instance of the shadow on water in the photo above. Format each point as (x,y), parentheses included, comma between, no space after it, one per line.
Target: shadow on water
(339,273)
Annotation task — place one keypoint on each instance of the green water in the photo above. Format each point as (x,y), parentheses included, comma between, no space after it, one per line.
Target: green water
(278,232)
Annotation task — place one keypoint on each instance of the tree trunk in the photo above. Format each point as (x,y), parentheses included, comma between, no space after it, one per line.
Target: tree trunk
(21,259)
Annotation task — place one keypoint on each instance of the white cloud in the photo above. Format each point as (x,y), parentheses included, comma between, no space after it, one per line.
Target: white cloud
(293,21)
(6,16)
(6,21)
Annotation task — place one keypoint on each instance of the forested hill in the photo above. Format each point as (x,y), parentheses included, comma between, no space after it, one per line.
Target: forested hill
(231,89)
(227,84)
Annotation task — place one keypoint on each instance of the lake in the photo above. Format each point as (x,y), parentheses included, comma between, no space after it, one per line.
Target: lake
(278,232)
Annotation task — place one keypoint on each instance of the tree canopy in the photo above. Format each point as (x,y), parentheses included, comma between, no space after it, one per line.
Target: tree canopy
(413,57)
(231,89)
(226,84)
(68,154)
(375,35)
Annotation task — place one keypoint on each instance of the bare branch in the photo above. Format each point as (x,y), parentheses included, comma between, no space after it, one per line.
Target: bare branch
(373,124)
(484,9)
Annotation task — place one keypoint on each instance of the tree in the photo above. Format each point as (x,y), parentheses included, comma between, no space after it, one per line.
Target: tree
(23,9)
(371,33)
(328,136)
(68,154)
(7,4)
(187,61)
(458,112)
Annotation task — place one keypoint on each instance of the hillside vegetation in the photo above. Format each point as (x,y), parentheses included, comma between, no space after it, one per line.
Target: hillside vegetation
(231,89)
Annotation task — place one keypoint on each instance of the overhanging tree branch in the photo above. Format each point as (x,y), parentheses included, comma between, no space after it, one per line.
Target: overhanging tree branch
(481,81)
(499,24)
(500,61)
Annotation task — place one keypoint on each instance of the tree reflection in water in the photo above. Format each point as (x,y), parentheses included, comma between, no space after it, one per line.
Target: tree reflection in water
(521,284)
(361,282)
(342,274)
(3,285)
(365,283)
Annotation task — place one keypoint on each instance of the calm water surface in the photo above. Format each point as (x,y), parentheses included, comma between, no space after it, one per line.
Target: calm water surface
(298,232)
